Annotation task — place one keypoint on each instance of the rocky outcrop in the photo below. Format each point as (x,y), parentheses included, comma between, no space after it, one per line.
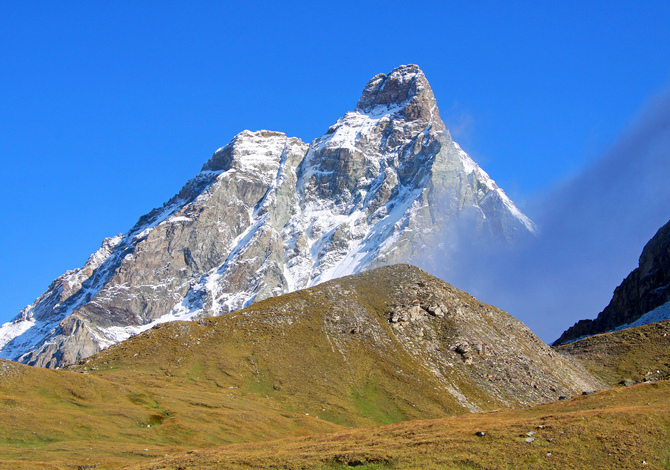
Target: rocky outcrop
(646,288)
(453,334)
(269,214)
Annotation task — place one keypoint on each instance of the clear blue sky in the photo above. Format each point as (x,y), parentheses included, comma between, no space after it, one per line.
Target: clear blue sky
(107,108)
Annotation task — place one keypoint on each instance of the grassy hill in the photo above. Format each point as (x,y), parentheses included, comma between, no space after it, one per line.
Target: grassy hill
(387,346)
(616,428)
(635,354)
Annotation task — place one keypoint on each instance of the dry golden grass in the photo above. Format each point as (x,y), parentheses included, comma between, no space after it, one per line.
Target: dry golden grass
(230,388)
(616,428)
(636,353)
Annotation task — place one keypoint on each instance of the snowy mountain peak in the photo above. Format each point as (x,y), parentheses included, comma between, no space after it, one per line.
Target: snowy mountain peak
(269,214)
(406,89)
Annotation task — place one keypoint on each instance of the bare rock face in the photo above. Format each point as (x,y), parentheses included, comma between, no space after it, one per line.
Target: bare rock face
(80,341)
(269,214)
(405,87)
(646,288)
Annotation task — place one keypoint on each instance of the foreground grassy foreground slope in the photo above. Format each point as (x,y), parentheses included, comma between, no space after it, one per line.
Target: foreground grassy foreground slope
(626,427)
(300,381)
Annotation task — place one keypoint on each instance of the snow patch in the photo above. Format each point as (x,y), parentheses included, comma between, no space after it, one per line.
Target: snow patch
(12,329)
(661,313)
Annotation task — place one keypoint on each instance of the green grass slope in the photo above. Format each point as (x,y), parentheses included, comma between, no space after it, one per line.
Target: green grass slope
(62,419)
(616,428)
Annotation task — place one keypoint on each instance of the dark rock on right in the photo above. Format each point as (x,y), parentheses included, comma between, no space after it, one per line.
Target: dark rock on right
(646,288)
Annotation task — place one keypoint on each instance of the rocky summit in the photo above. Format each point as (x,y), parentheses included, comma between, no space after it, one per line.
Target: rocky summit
(642,298)
(269,214)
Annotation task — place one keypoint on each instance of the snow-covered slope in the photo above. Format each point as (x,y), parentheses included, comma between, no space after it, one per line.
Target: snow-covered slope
(269,214)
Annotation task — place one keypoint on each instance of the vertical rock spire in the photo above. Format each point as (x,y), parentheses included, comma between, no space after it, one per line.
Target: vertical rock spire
(405,87)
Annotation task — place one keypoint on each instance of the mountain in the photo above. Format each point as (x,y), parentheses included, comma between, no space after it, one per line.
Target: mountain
(269,214)
(387,345)
(642,298)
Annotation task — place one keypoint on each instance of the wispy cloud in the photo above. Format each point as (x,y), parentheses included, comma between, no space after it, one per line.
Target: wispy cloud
(593,229)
